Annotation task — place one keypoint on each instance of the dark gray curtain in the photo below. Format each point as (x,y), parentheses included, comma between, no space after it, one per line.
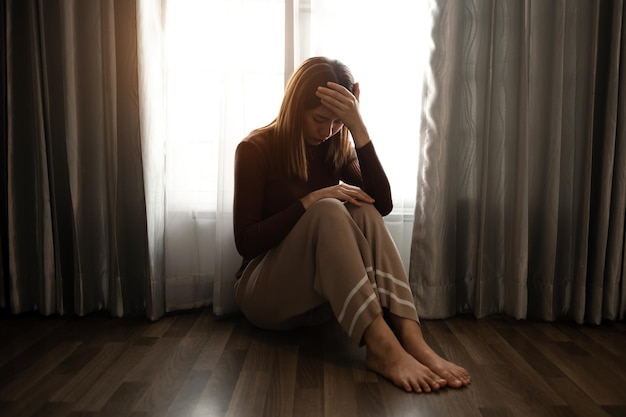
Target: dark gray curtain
(521,191)
(75,238)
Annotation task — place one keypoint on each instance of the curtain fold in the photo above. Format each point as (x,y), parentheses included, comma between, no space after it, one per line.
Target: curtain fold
(150,33)
(521,187)
(76,235)
(4,266)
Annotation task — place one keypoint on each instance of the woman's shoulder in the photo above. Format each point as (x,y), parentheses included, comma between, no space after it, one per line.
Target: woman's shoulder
(259,137)
(255,145)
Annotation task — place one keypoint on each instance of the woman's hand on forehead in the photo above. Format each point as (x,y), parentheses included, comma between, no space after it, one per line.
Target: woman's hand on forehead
(341,102)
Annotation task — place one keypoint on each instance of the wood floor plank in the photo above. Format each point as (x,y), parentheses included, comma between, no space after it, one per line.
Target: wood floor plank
(526,349)
(495,412)
(398,403)
(109,381)
(450,346)
(310,369)
(282,386)
(600,382)
(339,386)
(82,356)
(554,411)
(217,393)
(473,336)
(241,336)
(503,371)
(150,365)
(534,382)
(189,394)
(530,387)
(25,355)
(250,394)
(82,414)
(53,409)
(369,400)
(33,373)
(173,372)
(509,389)
(607,346)
(218,337)
(194,364)
(261,354)
(35,397)
(181,325)
(598,369)
(89,373)
(581,404)
(360,372)
(203,326)
(525,379)
(308,402)
(159,327)
(21,334)
(123,399)
(544,332)
(99,330)
(450,402)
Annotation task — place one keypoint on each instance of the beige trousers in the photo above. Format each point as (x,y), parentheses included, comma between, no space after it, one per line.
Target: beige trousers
(338,260)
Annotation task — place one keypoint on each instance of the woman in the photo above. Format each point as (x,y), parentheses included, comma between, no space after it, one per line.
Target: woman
(308,210)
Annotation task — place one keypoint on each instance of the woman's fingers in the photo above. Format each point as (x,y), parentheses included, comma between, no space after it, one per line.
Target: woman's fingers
(341,102)
(336,96)
(354,194)
(342,192)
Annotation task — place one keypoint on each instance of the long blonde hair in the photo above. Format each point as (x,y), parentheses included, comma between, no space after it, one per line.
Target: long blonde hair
(287,130)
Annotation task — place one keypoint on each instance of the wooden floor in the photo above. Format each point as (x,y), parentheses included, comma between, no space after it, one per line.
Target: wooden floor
(192,364)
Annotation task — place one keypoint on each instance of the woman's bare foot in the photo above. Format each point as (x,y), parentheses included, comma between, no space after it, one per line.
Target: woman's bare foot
(411,337)
(386,356)
(455,375)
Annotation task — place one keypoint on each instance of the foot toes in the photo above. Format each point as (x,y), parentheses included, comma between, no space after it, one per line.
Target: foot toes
(455,383)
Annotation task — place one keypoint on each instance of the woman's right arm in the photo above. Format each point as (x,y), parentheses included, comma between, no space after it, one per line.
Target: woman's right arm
(255,234)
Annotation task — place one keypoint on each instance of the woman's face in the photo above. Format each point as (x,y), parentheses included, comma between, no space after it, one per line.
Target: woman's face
(320,124)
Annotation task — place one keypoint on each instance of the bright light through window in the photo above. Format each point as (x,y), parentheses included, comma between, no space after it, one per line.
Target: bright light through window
(225,66)
(217,72)
(385,43)
(225,77)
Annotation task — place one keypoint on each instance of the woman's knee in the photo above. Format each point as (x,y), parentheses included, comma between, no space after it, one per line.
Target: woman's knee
(329,208)
(328,204)
(365,213)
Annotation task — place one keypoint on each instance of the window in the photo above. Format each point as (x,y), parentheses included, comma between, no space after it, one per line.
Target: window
(225,66)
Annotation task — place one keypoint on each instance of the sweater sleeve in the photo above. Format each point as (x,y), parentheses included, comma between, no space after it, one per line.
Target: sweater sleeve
(254,234)
(366,171)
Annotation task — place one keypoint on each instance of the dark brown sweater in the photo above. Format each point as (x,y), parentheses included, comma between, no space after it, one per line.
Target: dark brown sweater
(267,205)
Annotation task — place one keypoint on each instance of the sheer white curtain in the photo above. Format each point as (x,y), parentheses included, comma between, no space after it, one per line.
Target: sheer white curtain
(224,78)
(212,70)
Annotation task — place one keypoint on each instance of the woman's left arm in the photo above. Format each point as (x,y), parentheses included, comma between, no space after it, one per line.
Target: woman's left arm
(365,170)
